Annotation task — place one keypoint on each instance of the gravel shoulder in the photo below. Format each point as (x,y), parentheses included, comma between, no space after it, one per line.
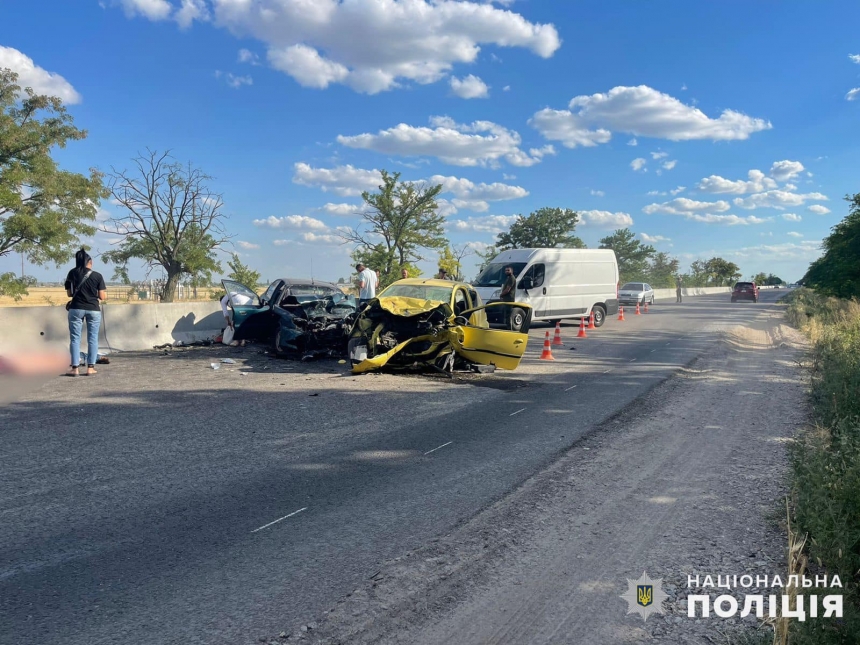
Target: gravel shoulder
(687,480)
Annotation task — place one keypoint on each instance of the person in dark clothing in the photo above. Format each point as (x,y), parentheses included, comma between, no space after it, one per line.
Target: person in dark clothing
(678,287)
(509,292)
(85,287)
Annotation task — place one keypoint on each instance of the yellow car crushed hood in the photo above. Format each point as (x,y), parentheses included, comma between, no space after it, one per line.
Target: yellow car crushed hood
(401,333)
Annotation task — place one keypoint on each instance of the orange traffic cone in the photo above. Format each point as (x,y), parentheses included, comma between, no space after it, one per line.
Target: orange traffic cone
(638,313)
(620,313)
(557,339)
(646,307)
(547,350)
(591,321)
(581,333)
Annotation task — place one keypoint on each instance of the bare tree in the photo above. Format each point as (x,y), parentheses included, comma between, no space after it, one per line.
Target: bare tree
(172,220)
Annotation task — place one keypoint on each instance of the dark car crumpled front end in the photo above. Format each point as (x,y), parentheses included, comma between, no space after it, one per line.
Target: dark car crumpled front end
(308,330)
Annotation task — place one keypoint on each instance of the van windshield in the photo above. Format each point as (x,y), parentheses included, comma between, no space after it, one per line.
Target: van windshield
(494,275)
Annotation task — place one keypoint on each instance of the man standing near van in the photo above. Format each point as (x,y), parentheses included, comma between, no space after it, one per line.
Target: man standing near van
(509,292)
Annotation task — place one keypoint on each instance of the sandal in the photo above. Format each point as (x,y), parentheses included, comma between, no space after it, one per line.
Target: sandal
(73,371)
(91,370)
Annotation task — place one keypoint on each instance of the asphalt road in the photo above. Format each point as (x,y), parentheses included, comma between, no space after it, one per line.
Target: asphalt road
(144,506)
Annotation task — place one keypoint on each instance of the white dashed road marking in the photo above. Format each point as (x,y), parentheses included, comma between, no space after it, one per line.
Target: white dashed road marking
(517,412)
(280,519)
(570,388)
(439,448)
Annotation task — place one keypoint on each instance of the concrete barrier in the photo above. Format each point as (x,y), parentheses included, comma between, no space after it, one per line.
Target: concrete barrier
(665,294)
(124,327)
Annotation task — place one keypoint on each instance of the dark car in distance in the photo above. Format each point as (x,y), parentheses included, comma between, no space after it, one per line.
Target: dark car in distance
(745,291)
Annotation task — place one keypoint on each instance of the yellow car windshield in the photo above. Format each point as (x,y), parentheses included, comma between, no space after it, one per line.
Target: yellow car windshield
(419,291)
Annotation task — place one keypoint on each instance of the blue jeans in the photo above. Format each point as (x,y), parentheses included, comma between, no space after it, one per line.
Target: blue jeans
(76,322)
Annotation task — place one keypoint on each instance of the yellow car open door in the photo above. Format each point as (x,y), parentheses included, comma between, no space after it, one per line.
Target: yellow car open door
(499,347)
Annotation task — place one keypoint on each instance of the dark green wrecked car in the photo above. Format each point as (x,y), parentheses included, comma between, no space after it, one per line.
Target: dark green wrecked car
(299,318)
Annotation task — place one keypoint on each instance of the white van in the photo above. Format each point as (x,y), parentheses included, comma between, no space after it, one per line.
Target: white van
(557,283)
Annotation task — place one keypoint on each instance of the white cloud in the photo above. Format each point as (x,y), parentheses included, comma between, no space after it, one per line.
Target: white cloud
(685,206)
(506,88)
(854,58)
(342,210)
(786,170)
(794,234)
(639,164)
(791,217)
(653,239)
(659,155)
(291,221)
(324,238)
(184,13)
(729,220)
(605,219)
(678,190)
(598,193)
(346,181)
(484,224)
(757,183)
(481,143)
(189,11)
(247,56)
(234,81)
(641,111)
(41,80)
(655,193)
(818,210)
(790,187)
(470,87)
(151,9)
(508,177)
(779,199)
(307,67)
(633,142)
(247,246)
(805,250)
(370,45)
(853,94)
(669,165)
(445,208)
(465,189)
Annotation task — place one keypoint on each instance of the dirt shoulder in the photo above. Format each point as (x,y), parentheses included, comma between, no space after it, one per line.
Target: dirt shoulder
(687,480)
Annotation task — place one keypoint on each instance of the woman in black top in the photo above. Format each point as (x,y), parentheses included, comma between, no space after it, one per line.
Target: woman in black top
(85,287)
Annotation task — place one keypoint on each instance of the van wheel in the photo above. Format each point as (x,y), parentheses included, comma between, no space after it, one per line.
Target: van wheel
(599,315)
(518,319)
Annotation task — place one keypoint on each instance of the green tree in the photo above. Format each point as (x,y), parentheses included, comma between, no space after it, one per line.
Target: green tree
(544,228)
(43,210)
(722,273)
(172,220)
(448,261)
(759,278)
(242,273)
(662,272)
(486,256)
(400,224)
(837,272)
(633,256)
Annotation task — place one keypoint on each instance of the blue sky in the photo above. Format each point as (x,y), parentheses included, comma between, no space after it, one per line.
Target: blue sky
(745,115)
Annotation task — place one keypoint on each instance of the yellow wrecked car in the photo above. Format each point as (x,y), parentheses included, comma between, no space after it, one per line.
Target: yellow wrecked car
(435,324)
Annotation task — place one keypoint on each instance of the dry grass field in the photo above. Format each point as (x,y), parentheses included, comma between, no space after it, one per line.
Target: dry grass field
(56,297)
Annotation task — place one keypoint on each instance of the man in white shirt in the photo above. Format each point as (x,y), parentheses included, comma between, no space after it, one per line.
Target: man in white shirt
(232,298)
(367,283)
